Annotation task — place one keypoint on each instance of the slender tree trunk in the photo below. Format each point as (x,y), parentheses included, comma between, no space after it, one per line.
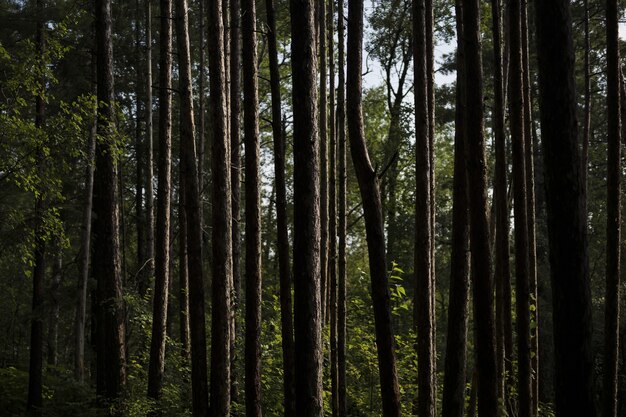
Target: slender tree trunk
(482,287)
(522,273)
(332,211)
(83,281)
(323,132)
(162,243)
(35,368)
(222,214)
(149,156)
(455,362)
(253,211)
(423,313)
(139,157)
(286,310)
(341,232)
(306,250)
(190,189)
(370,196)
(529,160)
(613,214)
(183,271)
(106,264)
(587,107)
(235,144)
(566,216)
(53,316)
(502,253)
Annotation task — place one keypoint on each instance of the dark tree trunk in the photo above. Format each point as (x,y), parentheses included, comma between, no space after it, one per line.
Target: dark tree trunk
(341,232)
(501,207)
(222,214)
(529,160)
(235,172)
(423,312)
(35,368)
(455,363)
(306,250)
(190,194)
(566,216)
(372,207)
(253,210)
(54,307)
(139,157)
(587,107)
(613,213)
(323,132)
(522,281)
(162,243)
(143,287)
(332,210)
(286,310)
(85,239)
(183,270)
(482,287)
(106,265)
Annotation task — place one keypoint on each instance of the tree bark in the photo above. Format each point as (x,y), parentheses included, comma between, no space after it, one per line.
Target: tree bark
(35,368)
(53,316)
(342,410)
(222,233)
(453,402)
(370,196)
(482,287)
(149,143)
(253,211)
(423,311)
(613,213)
(286,309)
(235,172)
(106,264)
(162,243)
(306,250)
(190,189)
(566,216)
(587,107)
(502,251)
(323,132)
(85,239)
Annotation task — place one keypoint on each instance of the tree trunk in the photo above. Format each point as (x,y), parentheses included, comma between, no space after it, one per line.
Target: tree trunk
(587,107)
(530,211)
(566,216)
(323,132)
(53,316)
(149,157)
(183,270)
(332,211)
(253,210)
(522,274)
(423,312)
(235,170)
(501,207)
(306,250)
(342,410)
(85,239)
(222,233)
(162,243)
(139,156)
(455,363)
(286,310)
(35,368)
(106,265)
(479,228)
(372,207)
(190,189)
(613,213)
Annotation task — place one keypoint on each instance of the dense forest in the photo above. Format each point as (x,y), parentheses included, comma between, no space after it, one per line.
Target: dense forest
(312,208)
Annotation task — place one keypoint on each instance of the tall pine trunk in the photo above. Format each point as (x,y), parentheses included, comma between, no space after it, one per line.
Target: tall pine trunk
(372,207)
(306,246)
(222,233)
(613,213)
(482,285)
(453,402)
(282,232)
(566,216)
(106,263)
(323,132)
